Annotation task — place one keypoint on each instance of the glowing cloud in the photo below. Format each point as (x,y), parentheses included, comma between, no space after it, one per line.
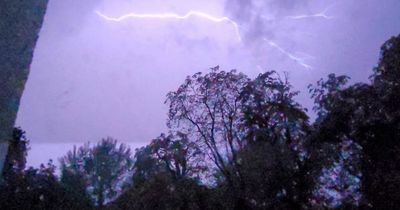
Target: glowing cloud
(174,16)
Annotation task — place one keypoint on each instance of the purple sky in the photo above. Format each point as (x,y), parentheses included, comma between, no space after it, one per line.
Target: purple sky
(91,77)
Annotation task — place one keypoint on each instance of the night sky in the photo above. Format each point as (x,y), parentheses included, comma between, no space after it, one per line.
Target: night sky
(93,77)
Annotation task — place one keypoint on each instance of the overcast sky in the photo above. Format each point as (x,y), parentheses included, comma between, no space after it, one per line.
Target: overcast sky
(92,77)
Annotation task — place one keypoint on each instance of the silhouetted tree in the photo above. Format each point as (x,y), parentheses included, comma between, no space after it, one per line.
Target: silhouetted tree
(37,189)
(162,177)
(15,162)
(225,113)
(104,169)
(208,108)
(379,134)
(367,115)
(146,166)
(74,184)
(33,188)
(275,127)
(336,154)
(180,157)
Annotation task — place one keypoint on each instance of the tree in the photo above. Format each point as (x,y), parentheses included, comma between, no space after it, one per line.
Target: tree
(146,166)
(208,108)
(227,115)
(33,188)
(386,77)
(341,110)
(276,127)
(37,188)
(74,184)
(104,167)
(16,157)
(163,192)
(368,115)
(381,133)
(270,111)
(14,166)
(163,172)
(180,157)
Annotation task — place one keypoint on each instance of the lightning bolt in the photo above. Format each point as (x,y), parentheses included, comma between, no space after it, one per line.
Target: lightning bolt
(174,16)
(317,15)
(235,25)
(298,60)
(305,55)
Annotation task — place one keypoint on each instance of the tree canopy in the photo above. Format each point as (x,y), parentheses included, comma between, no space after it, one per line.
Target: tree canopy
(103,169)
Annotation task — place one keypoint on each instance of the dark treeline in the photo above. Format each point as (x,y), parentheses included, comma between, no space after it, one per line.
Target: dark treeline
(237,143)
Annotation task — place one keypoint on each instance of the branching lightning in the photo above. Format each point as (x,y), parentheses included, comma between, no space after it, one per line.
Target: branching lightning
(174,16)
(298,60)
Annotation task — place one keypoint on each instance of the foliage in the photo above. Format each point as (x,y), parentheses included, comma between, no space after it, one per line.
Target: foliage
(368,115)
(207,107)
(16,156)
(270,111)
(32,188)
(178,155)
(161,174)
(226,113)
(104,169)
